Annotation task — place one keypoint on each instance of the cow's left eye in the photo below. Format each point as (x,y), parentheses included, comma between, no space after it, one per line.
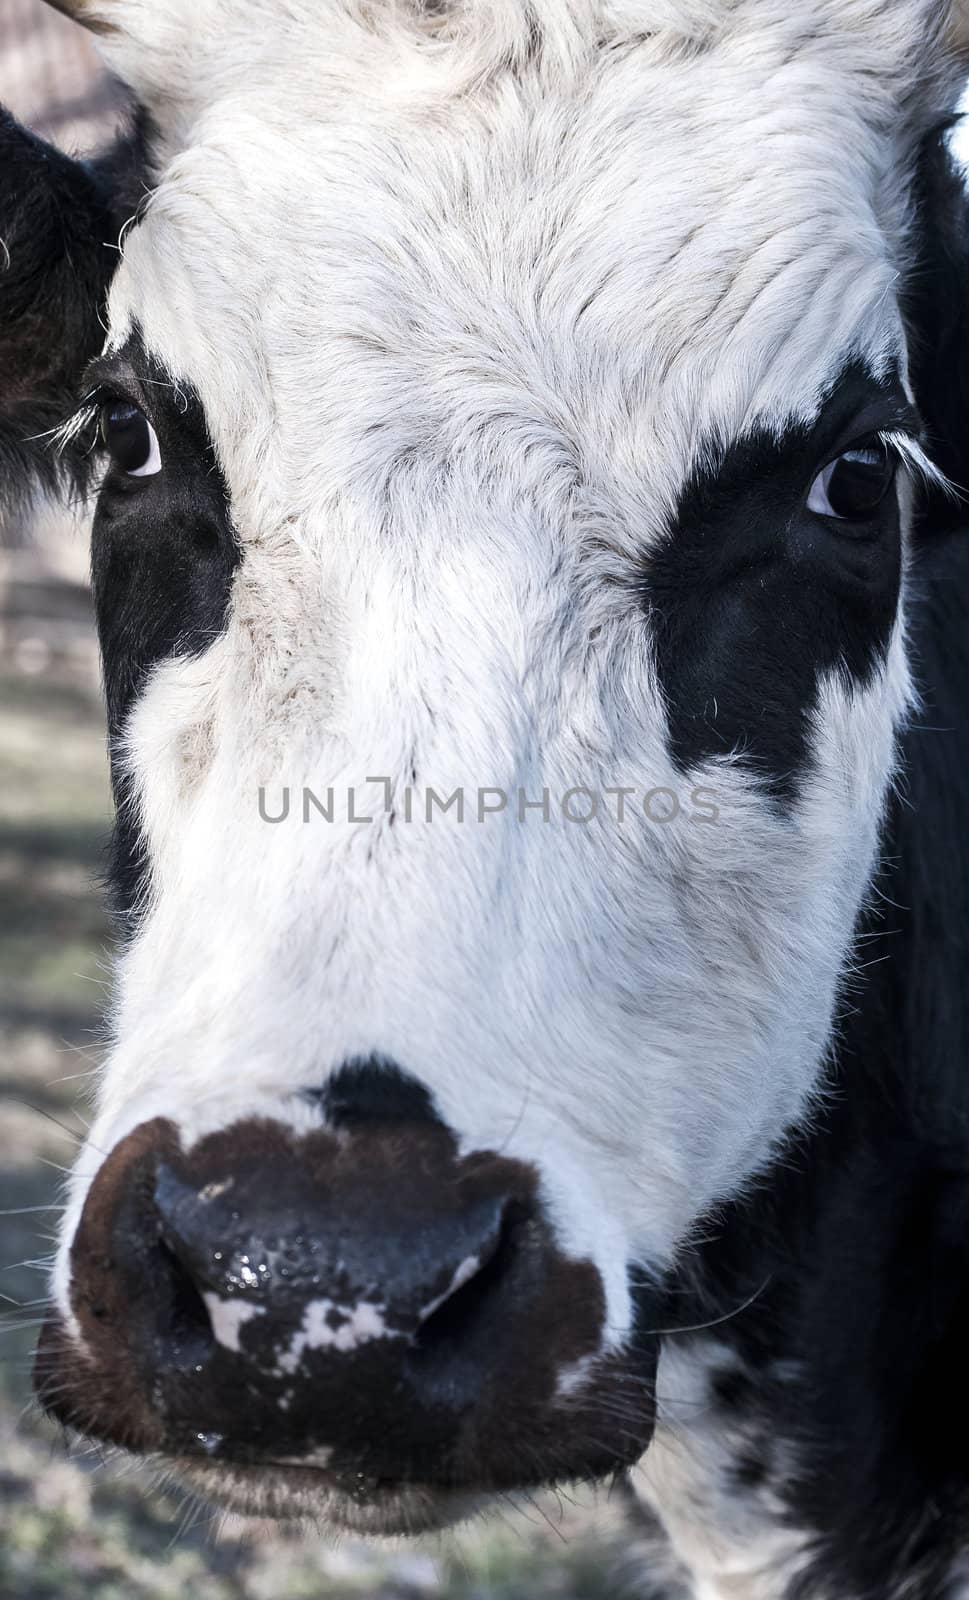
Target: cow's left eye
(853,487)
(130,439)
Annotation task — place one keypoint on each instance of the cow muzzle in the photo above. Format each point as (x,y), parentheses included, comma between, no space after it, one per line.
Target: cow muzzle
(357,1312)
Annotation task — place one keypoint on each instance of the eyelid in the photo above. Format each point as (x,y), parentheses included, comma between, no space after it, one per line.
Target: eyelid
(109,373)
(857,441)
(86,415)
(107,394)
(89,404)
(906,446)
(903,441)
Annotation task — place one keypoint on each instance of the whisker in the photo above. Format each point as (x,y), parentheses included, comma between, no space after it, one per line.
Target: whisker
(718,1322)
(28,1211)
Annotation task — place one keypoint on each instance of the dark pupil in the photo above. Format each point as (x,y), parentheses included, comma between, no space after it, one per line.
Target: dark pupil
(126,436)
(859,482)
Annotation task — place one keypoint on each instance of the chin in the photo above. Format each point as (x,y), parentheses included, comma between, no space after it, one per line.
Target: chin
(309,1495)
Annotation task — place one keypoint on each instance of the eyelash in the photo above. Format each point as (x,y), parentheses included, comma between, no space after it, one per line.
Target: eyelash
(83,419)
(913,460)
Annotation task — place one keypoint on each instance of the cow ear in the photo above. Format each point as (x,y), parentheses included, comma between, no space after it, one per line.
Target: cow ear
(936,309)
(59,224)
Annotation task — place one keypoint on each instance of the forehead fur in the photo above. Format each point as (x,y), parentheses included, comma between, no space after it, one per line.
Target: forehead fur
(392,233)
(565,31)
(474,37)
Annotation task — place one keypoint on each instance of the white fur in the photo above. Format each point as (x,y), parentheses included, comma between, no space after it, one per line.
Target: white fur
(365,1322)
(229,1317)
(461,315)
(736,1545)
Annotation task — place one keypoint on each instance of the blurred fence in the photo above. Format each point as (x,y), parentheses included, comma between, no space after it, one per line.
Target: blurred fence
(52,78)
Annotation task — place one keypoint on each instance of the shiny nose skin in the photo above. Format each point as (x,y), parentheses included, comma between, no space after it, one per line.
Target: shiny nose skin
(276,1253)
(359,1297)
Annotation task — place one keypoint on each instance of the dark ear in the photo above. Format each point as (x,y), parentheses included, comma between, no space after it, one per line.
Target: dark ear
(59,225)
(937,314)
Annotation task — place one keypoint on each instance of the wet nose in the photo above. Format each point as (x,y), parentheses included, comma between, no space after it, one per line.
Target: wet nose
(283,1262)
(359,1242)
(359,1297)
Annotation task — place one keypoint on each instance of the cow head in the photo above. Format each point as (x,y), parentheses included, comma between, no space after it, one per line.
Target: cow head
(512,403)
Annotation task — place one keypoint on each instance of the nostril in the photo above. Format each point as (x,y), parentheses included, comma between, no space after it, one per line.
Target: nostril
(452,1323)
(203,1233)
(183,1326)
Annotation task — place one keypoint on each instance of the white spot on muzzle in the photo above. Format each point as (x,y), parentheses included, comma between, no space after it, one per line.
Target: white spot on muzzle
(329,1326)
(229,1317)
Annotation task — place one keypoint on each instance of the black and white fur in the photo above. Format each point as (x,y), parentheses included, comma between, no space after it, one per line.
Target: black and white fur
(492,351)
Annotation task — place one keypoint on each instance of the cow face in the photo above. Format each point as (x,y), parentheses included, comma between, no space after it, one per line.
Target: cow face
(512,409)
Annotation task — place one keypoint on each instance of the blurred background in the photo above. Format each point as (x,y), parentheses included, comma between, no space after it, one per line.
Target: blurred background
(73,1523)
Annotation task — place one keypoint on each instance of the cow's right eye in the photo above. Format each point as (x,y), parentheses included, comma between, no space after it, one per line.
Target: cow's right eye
(129,439)
(853,487)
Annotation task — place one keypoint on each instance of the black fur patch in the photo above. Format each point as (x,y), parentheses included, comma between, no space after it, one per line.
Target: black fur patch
(751,596)
(861,1230)
(163,555)
(375,1090)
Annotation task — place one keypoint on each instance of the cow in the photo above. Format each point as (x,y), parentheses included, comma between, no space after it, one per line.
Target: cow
(527,443)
